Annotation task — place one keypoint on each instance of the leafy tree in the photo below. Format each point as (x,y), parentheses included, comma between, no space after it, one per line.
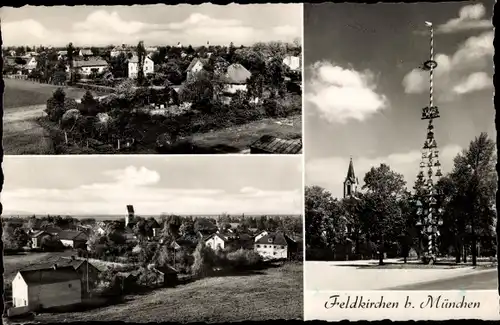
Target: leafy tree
(89,104)
(118,66)
(70,59)
(141,55)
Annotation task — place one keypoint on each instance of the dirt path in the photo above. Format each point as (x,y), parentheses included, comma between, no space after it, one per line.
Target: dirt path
(22,134)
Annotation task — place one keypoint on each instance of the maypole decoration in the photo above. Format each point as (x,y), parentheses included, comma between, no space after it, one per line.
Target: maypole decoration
(425,191)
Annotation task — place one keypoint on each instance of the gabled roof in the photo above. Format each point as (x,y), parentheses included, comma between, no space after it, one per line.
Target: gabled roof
(276,238)
(194,61)
(224,238)
(47,275)
(90,63)
(39,233)
(276,145)
(135,59)
(237,74)
(72,235)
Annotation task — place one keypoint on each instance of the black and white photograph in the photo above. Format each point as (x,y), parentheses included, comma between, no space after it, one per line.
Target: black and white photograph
(401,147)
(150,79)
(153,238)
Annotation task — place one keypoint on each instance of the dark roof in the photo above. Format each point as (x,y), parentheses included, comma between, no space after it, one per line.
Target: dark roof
(52,230)
(60,262)
(130,208)
(72,235)
(47,275)
(274,145)
(273,238)
(350,173)
(237,74)
(38,233)
(245,237)
(167,269)
(89,63)
(194,61)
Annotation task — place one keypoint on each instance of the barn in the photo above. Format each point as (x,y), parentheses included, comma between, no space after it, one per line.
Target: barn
(43,287)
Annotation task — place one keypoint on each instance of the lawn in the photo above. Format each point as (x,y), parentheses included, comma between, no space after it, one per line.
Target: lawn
(238,138)
(20,93)
(274,293)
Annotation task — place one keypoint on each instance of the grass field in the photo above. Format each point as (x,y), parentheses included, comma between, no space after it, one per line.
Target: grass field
(274,293)
(239,138)
(19,93)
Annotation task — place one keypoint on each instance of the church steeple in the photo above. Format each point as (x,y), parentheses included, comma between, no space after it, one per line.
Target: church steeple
(351,181)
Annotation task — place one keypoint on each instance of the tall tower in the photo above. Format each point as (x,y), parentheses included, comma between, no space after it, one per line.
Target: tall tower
(351,182)
(430,167)
(129,220)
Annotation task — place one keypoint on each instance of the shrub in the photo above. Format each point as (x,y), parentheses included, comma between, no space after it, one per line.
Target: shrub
(273,108)
(89,104)
(70,117)
(243,259)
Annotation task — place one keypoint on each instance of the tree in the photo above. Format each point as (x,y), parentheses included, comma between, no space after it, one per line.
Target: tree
(141,55)
(325,222)
(89,104)
(275,76)
(118,66)
(171,227)
(70,59)
(475,178)
(382,215)
(203,260)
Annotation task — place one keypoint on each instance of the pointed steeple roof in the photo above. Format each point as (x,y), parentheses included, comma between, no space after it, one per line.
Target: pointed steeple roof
(351,176)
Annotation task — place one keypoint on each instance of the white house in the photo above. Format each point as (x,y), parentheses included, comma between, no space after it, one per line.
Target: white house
(293,62)
(272,246)
(42,287)
(133,66)
(31,64)
(195,66)
(236,78)
(215,241)
(62,54)
(85,68)
(85,52)
(260,235)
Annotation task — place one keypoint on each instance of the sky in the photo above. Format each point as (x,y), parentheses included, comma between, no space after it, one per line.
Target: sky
(364,90)
(154,24)
(185,185)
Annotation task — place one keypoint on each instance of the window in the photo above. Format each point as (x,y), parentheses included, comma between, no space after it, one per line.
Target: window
(282,247)
(265,246)
(258,246)
(274,253)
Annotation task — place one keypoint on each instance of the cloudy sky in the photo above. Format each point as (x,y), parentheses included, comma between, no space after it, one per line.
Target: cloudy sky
(81,185)
(154,24)
(364,91)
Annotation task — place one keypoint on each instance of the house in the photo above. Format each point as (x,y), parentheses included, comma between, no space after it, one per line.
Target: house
(293,62)
(216,241)
(74,239)
(88,273)
(87,67)
(272,145)
(260,235)
(168,274)
(236,78)
(195,66)
(37,238)
(133,66)
(85,53)
(273,246)
(42,287)
(30,64)
(117,50)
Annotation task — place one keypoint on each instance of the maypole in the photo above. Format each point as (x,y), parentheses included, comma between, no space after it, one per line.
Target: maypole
(425,191)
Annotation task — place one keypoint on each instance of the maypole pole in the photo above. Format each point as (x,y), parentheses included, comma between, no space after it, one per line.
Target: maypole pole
(425,191)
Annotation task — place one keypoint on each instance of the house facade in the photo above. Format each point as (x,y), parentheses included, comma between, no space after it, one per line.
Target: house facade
(272,246)
(293,62)
(85,53)
(194,67)
(31,64)
(133,67)
(74,239)
(215,241)
(38,237)
(42,288)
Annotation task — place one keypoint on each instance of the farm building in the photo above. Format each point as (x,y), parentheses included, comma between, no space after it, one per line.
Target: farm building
(89,274)
(216,241)
(273,246)
(42,287)
(37,238)
(168,275)
(272,145)
(75,239)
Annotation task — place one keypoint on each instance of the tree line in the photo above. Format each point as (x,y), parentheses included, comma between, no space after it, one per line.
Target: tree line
(381,220)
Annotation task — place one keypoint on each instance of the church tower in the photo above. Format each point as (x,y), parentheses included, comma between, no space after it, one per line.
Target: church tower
(351,182)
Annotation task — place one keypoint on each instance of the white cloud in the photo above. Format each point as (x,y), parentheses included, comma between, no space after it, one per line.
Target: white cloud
(474,55)
(102,27)
(475,81)
(330,172)
(340,94)
(469,17)
(139,186)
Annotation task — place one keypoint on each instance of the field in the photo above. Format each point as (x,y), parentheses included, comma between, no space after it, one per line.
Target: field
(274,293)
(24,102)
(236,139)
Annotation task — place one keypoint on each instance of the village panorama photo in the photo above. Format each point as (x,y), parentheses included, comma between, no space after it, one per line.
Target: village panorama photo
(149,79)
(152,238)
